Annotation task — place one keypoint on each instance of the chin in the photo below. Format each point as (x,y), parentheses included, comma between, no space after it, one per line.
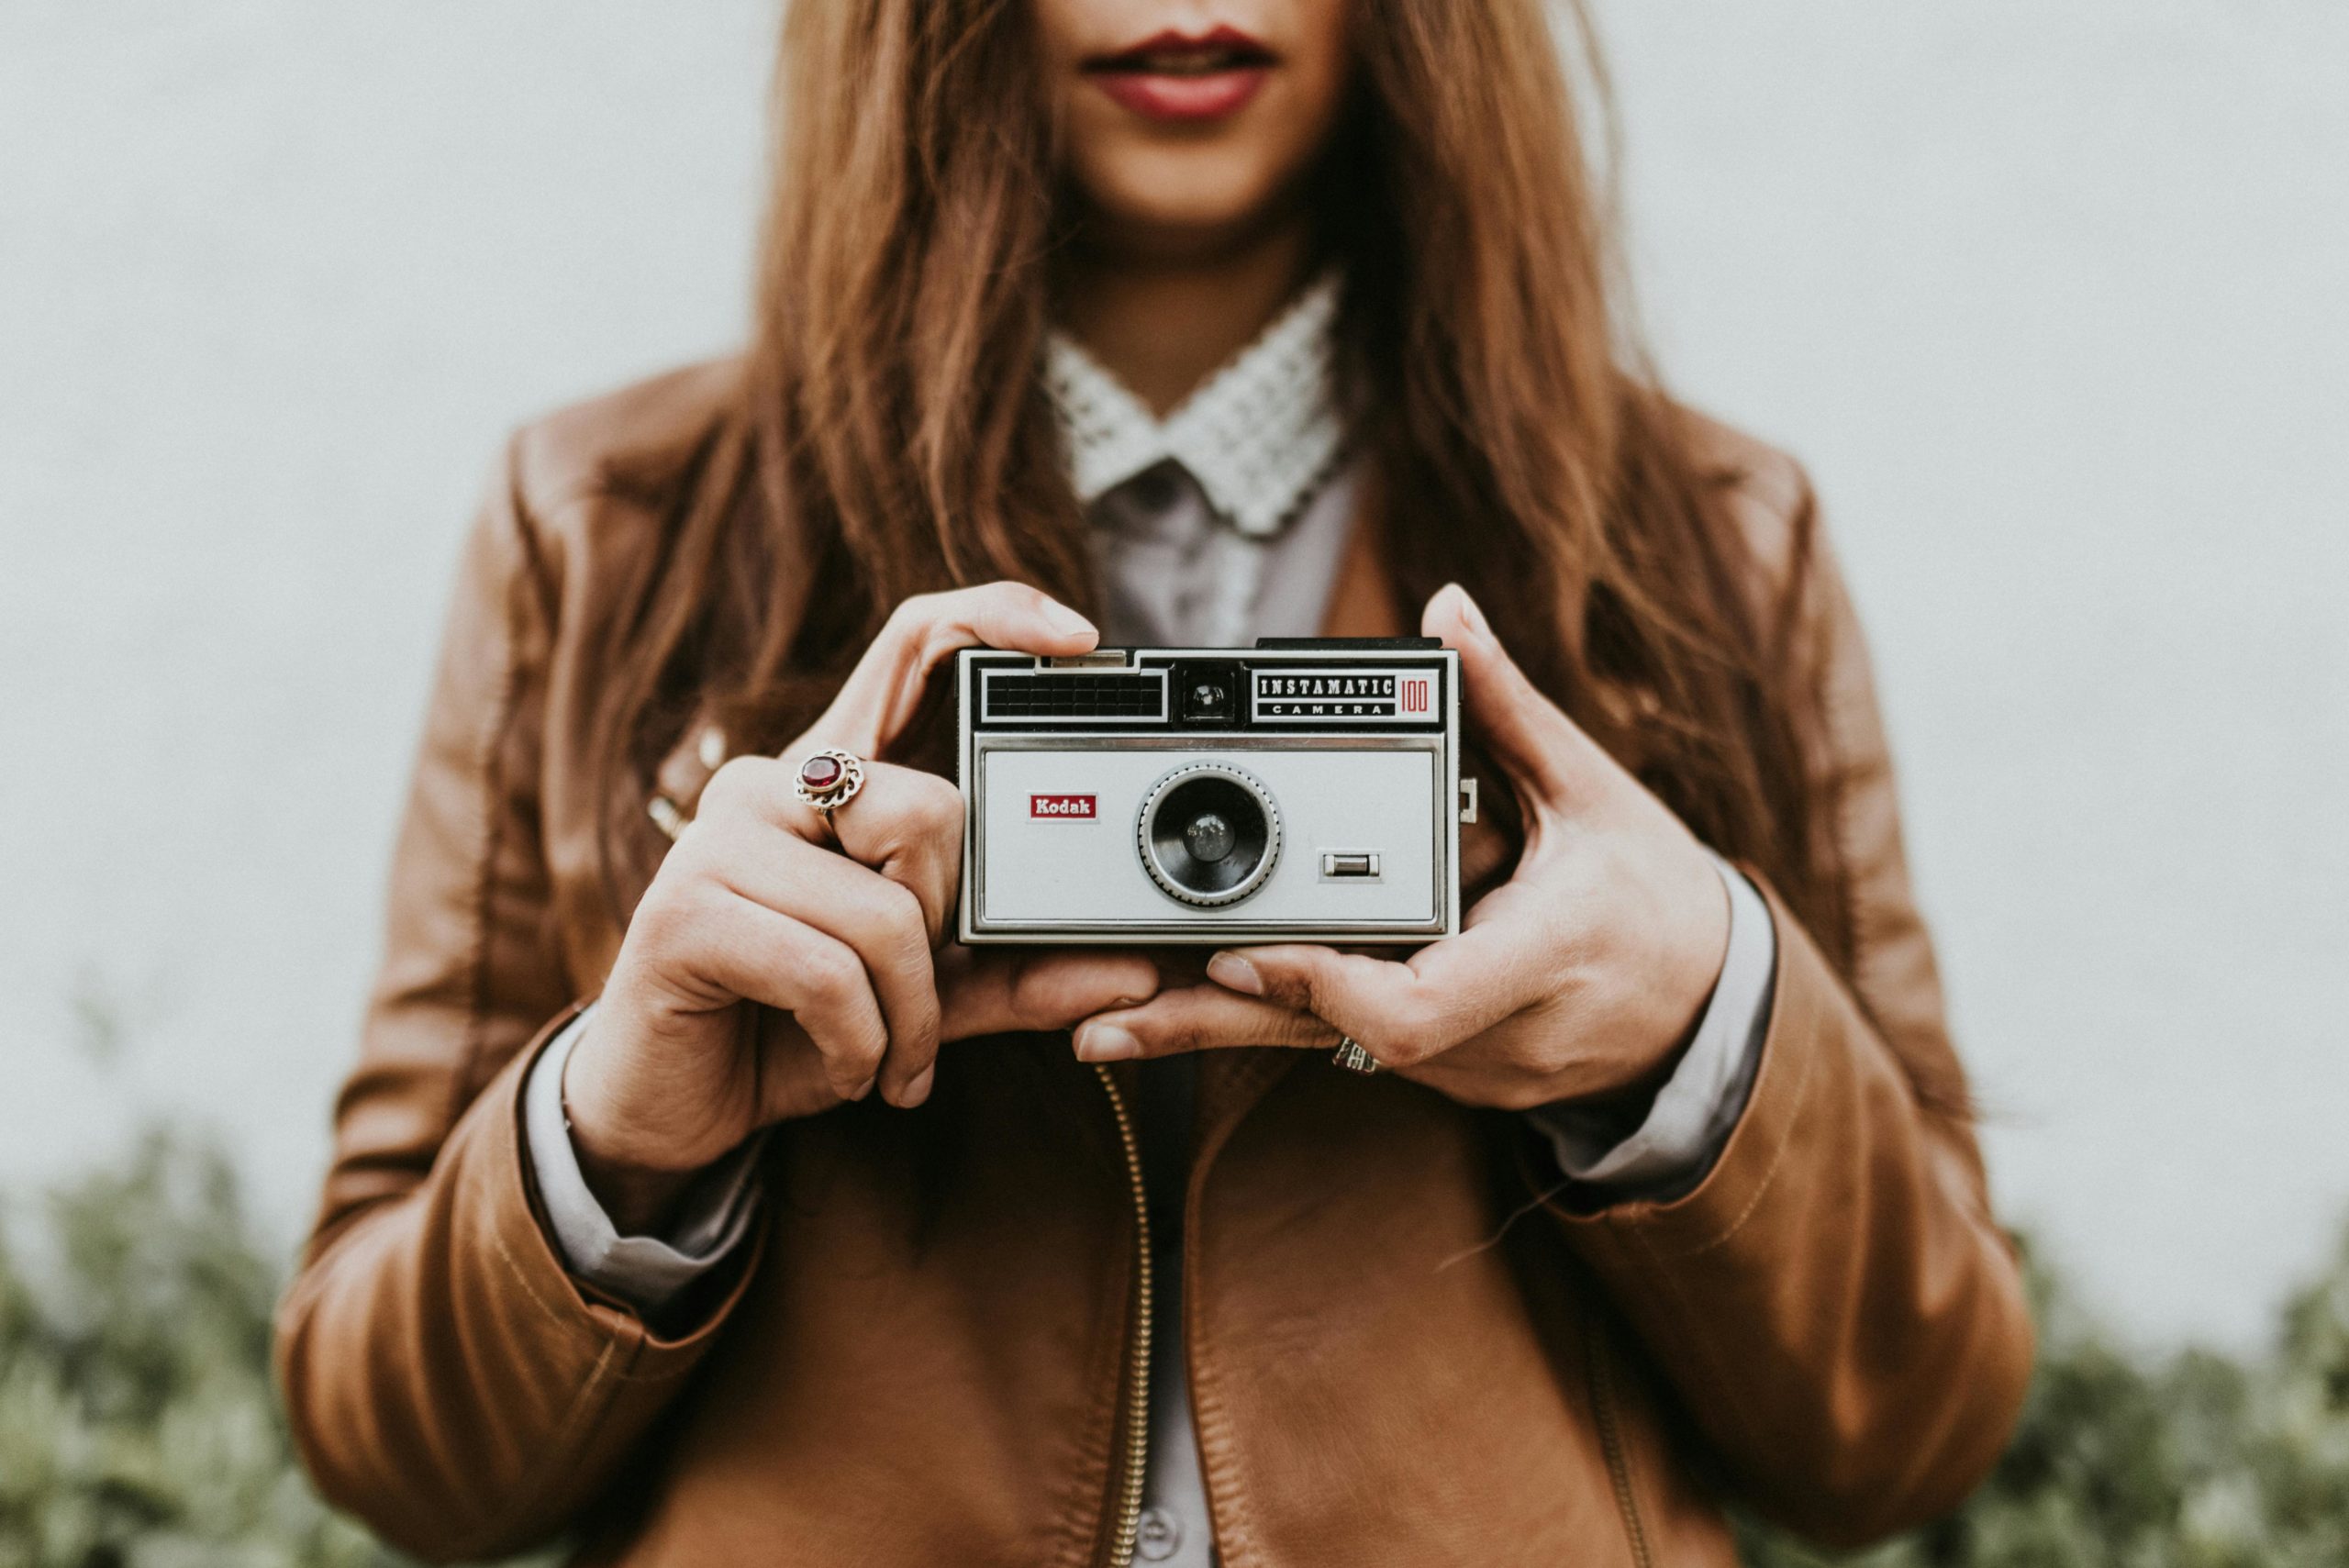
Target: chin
(1182,202)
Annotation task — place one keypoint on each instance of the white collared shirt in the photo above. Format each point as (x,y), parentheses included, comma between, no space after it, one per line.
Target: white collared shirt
(1226,520)
(1258,436)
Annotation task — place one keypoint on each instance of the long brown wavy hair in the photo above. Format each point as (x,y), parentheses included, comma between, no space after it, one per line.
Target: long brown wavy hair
(890,435)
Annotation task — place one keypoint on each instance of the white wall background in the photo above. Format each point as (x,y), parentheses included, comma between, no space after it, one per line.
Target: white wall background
(2049,292)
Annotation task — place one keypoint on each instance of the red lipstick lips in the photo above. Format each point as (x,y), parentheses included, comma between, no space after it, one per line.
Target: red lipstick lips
(1185,78)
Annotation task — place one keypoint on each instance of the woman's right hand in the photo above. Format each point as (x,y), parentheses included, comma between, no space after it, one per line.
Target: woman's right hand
(768,974)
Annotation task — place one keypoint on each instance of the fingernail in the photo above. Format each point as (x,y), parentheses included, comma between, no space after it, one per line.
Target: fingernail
(1063,619)
(919,1090)
(1106,1042)
(1471,615)
(1234,973)
(865,1088)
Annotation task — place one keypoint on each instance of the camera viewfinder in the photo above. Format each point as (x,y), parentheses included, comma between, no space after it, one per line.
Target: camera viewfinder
(1207,693)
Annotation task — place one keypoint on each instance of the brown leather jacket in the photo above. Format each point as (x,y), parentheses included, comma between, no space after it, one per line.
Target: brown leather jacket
(928,1358)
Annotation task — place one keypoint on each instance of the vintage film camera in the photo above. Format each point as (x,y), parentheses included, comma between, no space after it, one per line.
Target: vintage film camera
(1303,790)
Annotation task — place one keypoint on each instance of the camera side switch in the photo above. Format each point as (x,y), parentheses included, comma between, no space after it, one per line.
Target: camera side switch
(1349,866)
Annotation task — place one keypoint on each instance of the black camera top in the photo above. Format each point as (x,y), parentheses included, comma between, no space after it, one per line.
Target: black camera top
(1283,685)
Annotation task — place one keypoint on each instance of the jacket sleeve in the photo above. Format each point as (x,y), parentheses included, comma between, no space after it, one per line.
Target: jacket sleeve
(446,1380)
(1843,1319)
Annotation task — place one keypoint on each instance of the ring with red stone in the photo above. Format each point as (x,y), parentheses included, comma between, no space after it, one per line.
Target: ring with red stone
(828,781)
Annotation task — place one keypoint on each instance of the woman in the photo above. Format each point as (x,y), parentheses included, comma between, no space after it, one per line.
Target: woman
(1184,320)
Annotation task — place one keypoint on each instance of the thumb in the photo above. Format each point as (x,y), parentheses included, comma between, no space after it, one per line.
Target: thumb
(1531,739)
(995,991)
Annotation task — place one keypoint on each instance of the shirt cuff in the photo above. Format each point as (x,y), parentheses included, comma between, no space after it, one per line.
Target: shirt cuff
(1698,1109)
(643,1273)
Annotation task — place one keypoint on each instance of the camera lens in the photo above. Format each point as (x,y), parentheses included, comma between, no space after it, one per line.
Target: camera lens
(1208,838)
(1209,834)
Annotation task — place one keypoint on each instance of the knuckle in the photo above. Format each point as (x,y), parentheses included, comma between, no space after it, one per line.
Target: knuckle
(1397,1044)
(918,617)
(1025,989)
(730,789)
(694,864)
(657,923)
(1181,1033)
(907,914)
(1036,993)
(863,1048)
(689,854)
(919,817)
(934,809)
(832,975)
(1408,1051)
(1301,992)
(675,909)
(1306,1029)
(924,1020)
(998,609)
(905,929)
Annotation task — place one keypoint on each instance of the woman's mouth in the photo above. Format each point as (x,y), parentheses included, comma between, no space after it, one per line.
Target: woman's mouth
(1178,76)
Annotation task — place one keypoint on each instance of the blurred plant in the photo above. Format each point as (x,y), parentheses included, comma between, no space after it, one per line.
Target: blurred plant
(139,1430)
(138,1426)
(2192,1461)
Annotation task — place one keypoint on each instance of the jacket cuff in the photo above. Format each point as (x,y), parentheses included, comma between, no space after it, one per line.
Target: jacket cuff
(1805,997)
(526,1235)
(645,1272)
(1691,1117)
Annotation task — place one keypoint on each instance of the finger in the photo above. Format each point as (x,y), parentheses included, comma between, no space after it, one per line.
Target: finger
(792,1081)
(1000,990)
(764,955)
(908,826)
(1196,1017)
(879,920)
(1544,752)
(904,823)
(759,789)
(1401,1013)
(884,690)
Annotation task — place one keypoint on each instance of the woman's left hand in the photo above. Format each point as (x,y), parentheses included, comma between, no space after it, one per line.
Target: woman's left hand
(1579,978)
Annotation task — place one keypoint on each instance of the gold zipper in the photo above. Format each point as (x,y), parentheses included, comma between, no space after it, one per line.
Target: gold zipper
(1610,1439)
(1129,1490)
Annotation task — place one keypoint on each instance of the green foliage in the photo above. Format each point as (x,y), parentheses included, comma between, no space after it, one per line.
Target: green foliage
(137,1425)
(139,1430)
(2194,1461)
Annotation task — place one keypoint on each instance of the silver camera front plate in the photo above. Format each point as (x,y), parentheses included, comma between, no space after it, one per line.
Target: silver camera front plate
(1212,796)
